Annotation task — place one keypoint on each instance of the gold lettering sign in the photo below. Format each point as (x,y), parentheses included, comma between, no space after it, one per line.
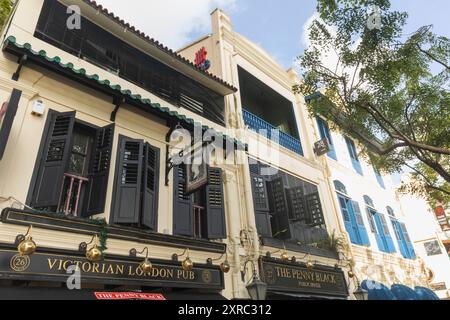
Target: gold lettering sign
(117,271)
(296,278)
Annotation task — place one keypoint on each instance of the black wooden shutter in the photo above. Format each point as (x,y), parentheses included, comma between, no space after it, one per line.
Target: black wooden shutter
(259,190)
(280,223)
(99,170)
(54,160)
(183,223)
(126,206)
(214,205)
(6,124)
(150,187)
(315,217)
(297,206)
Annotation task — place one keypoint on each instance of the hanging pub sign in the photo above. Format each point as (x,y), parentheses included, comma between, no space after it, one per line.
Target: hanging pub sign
(322,147)
(200,59)
(196,171)
(8,111)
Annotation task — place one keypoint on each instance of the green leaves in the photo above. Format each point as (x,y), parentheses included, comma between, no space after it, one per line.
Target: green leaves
(395,89)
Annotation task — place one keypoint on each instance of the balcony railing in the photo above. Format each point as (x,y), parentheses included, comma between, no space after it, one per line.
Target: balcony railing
(70,194)
(267,130)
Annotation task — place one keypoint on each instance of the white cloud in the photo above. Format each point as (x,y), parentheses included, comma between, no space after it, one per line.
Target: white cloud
(170,21)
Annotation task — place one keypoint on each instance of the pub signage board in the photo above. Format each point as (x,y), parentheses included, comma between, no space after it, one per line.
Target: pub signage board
(295,278)
(45,266)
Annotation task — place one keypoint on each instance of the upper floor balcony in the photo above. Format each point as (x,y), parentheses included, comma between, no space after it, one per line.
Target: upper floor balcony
(269,131)
(268,113)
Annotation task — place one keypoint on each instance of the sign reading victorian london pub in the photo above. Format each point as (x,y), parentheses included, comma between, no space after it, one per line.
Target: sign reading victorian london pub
(288,277)
(53,267)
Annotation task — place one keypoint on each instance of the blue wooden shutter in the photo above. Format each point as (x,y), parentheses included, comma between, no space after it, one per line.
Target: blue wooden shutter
(347,220)
(149,208)
(353,155)
(409,245)
(54,160)
(360,222)
(400,238)
(324,131)
(99,170)
(387,234)
(127,199)
(374,229)
(215,210)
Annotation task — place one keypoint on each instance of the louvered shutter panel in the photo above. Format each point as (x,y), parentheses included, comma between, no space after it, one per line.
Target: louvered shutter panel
(259,190)
(297,206)
(360,222)
(280,223)
(128,181)
(347,219)
(99,170)
(409,245)
(214,205)
(387,234)
(54,160)
(150,187)
(400,238)
(183,223)
(375,229)
(315,216)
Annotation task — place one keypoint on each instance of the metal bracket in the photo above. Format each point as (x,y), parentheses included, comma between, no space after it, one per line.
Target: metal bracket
(21,62)
(169,163)
(117,101)
(19,239)
(82,247)
(133,253)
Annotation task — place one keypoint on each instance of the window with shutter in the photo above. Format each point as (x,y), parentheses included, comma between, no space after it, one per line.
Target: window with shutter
(99,170)
(353,155)
(8,112)
(72,175)
(298,210)
(325,133)
(280,221)
(360,224)
(294,210)
(183,221)
(409,244)
(200,214)
(135,201)
(128,181)
(56,151)
(387,234)
(149,206)
(214,205)
(259,189)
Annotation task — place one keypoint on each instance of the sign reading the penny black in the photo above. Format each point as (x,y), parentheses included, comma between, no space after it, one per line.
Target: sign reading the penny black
(54,267)
(288,277)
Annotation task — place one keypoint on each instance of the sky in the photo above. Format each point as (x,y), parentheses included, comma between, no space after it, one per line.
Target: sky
(276,25)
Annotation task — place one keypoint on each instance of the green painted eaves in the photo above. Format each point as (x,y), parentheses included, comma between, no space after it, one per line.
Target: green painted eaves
(107,83)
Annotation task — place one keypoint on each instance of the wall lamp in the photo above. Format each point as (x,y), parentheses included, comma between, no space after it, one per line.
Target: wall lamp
(256,288)
(187,263)
(225,266)
(26,246)
(94,254)
(146,266)
(284,254)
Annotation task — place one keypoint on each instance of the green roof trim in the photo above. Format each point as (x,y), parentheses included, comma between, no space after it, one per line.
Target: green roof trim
(116,87)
